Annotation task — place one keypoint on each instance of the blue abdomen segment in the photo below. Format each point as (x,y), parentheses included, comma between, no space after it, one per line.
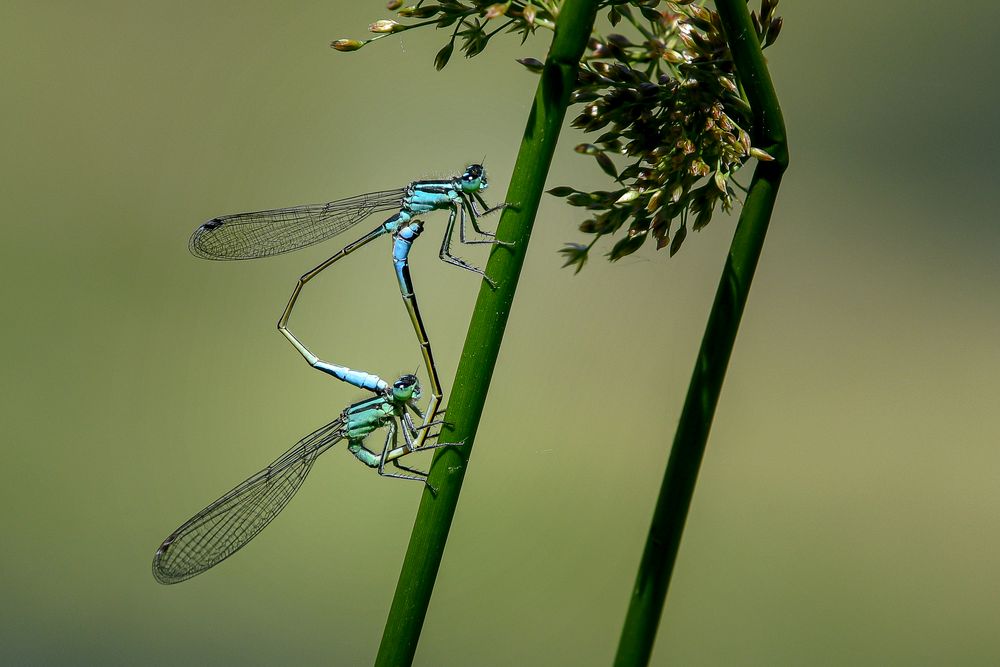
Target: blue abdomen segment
(359,379)
(402,242)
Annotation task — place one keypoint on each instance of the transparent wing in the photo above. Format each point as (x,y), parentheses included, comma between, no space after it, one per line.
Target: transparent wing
(225,526)
(265,233)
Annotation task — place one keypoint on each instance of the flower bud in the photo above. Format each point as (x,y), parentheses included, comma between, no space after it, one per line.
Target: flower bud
(672,56)
(720,181)
(495,10)
(760,155)
(654,201)
(385,25)
(415,12)
(698,167)
(728,84)
(346,44)
(536,65)
(772,32)
(630,195)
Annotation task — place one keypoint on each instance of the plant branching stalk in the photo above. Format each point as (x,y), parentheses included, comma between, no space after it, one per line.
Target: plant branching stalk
(660,553)
(482,344)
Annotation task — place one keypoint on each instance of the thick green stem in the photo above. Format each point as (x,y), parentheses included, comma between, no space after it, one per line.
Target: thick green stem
(482,344)
(677,488)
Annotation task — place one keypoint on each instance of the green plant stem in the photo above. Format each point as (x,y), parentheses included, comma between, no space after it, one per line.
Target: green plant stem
(482,344)
(677,488)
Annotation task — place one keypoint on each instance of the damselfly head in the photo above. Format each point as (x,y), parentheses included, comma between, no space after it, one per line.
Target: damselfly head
(406,388)
(474,178)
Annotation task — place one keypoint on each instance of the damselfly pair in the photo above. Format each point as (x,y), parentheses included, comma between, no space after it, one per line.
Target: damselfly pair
(229,523)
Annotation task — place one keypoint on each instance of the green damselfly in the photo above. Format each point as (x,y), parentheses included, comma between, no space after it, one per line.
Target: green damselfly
(229,523)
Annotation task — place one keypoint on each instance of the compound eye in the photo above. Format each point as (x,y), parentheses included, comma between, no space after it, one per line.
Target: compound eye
(405,382)
(473,172)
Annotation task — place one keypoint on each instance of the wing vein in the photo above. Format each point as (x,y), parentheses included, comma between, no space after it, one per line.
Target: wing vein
(229,523)
(281,230)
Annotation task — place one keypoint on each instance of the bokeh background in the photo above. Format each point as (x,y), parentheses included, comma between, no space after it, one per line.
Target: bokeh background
(848,509)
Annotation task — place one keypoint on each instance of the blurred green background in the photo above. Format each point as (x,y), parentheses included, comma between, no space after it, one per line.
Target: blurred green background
(847,509)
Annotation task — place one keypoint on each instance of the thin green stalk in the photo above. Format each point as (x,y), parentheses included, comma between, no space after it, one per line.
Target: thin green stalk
(663,541)
(482,344)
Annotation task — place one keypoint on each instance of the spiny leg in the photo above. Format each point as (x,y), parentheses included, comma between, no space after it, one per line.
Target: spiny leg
(422,476)
(474,213)
(399,452)
(410,432)
(446,255)
(487,209)
(490,239)
(436,422)
(390,438)
(438,445)
(414,430)
(432,436)
(469,206)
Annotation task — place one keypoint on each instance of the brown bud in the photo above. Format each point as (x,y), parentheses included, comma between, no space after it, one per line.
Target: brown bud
(720,181)
(346,44)
(495,10)
(699,168)
(772,31)
(654,201)
(535,65)
(672,56)
(728,84)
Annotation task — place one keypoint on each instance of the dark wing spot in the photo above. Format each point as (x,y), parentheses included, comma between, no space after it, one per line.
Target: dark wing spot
(214,223)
